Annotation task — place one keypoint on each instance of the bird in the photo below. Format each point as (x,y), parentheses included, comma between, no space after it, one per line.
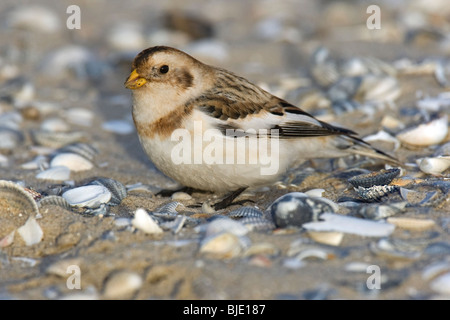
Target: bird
(212,130)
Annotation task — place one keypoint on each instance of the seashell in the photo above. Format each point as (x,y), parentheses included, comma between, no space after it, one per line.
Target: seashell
(34,18)
(72,161)
(60,267)
(31,232)
(375,193)
(426,134)
(175,225)
(117,189)
(257,223)
(122,285)
(315,192)
(54,125)
(294,209)
(90,196)
(391,123)
(60,173)
(169,207)
(14,197)
(339,223)
(223,245)
(412,223)
(331,238)
(118,126)
(410,249)
(145,223)
(245,212)
(441,284)
(435,269)
(383,136)
(181,196)
(10,138)
(85,150)
(55,201)
(378,212)
(377,178)
(80,116)
(11,120)
(55,139)
(297,261)
(227,225)
(435,166)
(379,88)
(126,36)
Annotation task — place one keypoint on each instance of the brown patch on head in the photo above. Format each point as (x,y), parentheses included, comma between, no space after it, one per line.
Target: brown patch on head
(142,58)
(164,126)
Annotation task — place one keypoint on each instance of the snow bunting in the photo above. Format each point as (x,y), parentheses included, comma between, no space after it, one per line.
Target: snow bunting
(212,130)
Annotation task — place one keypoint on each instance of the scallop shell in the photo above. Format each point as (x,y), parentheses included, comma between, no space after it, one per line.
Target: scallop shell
(85,150)
(245,212)
(60,173)
(223,245)
(117,189)
(91,196)
(427,134)
(377,178)
(257,223)
(72,161)
(56,201)
(55,139)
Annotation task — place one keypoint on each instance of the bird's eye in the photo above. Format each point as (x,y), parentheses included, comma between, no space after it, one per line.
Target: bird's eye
(164,69)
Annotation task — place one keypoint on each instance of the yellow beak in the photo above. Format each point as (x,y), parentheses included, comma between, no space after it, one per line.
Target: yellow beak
(134,81)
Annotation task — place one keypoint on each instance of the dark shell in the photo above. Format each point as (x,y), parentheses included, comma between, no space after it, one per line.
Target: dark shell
(378,178)
(294,209)
(245,212)
(82,149)
(257,223)
(375,193)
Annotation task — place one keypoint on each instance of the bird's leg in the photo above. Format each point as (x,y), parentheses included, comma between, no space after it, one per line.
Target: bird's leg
(225,202)
(169,193)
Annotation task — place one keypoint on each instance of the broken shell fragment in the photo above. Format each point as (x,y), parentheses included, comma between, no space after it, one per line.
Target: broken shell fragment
(31,232)
(144,222)
(435,166)
(427,134)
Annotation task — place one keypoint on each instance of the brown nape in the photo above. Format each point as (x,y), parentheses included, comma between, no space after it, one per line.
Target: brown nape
(164,127)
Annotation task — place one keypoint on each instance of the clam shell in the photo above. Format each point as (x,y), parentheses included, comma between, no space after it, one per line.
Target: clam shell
(72,161)
(257,223)
(427,134)
(117,189)
(245,212)
(60,173)
(91,196)
(339,223)
(223,245)
(55,139)
(122,284)
(56,201)
(435,166)
(85,150)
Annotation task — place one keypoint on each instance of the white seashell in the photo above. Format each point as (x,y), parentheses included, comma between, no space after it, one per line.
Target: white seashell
(56,173)
(426,134)
(441,284)
(435,165)
(144,222)
(331,238)
(315,192)
(435,269)
(122,284)
(72,161)
(177,196)
(31,232)
(91,196)
(383,136)
(228,225)
(126,36)
(80,116)
(118,126)
(338,223)
(55,125)
(34,18)
(412,223)
(380,88)
(224,245)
